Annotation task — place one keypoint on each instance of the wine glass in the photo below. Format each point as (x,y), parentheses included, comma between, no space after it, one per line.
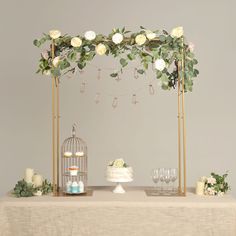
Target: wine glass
(155,177)
(162,177)
(173,177)
(167,178)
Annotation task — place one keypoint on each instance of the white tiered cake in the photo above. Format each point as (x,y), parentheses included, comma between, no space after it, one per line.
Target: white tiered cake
(118,172)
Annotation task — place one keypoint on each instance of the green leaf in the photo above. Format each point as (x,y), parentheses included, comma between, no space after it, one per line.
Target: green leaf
(37,43)
(72,56)
(114,74)
(131,56)
(140,71)
(123,62)
(162,38)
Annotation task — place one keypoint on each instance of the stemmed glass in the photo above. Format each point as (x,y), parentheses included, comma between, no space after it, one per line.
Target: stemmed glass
(155,177)
(173,177)
(162,177)
(167,178)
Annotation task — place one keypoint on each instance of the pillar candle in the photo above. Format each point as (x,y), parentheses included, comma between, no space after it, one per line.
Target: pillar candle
(37,180)
(200,188)
(29,175)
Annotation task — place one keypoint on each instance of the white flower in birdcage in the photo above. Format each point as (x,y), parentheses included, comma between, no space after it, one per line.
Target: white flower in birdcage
(76,42)
(140,39)
(90,35)
(177,32)
(117,38)
(54,34)
(160,64)
(101,49)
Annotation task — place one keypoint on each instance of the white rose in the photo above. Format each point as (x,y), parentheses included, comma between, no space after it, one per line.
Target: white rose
(56,61)
(140,39)
(117,38)
(54,34)
(118,163)
(160,64)
(150,35)
(177,32)
(76,42)
(47,72)
(90,35)
(101,49)
(211,180)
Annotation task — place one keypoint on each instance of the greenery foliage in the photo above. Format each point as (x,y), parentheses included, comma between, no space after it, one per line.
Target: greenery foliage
(24,189)
(163,46)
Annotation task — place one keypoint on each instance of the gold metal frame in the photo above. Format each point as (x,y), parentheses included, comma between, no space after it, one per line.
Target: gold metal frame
(181,127)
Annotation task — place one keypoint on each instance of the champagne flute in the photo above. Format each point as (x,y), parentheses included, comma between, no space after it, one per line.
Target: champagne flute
(162,177)
(167,179)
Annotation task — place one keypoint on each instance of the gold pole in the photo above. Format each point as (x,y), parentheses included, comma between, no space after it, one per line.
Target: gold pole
(183,119)
(53,125)
(179,130)
(58,132)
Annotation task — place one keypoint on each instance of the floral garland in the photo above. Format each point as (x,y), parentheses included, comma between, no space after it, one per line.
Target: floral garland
(157,48)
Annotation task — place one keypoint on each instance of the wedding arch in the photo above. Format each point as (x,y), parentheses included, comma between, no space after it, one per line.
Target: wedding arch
(169,54)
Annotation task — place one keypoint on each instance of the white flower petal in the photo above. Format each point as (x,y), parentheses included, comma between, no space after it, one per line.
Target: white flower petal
(117,38)
(90,35)
(76,42)
(54,34)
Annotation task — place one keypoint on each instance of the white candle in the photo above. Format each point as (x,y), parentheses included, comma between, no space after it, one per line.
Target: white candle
(79,154)
(29,175)
(37,180)
(67,154)
(200,188)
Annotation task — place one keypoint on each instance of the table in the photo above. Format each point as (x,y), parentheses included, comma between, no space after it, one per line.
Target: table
(108,214)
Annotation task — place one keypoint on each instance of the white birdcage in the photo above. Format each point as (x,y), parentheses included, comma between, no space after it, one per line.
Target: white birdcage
(74,165)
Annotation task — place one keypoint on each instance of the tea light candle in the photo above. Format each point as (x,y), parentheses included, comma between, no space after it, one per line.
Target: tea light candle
(200,188)
(67,154)
(37,180)
(29,175)
(79,154)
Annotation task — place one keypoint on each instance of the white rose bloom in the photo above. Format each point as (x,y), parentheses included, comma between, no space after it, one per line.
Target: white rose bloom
(177,32)
(47,72)
(119,163)
(117,38)
(56,61)
(90,35)
(76,42)
(211,180)
(150,35)
(140,39)
(54,34)
(101,49)
(160,64)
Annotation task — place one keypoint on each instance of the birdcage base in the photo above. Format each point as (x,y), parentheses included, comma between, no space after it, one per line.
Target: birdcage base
(87,193)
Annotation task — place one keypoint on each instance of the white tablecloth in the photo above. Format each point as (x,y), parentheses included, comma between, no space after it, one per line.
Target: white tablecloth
(108,214)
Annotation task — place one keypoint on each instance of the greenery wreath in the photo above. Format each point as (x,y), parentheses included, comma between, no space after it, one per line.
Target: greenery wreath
(157,49)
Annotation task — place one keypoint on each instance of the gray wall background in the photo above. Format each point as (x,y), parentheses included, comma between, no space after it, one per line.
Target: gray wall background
(144,135)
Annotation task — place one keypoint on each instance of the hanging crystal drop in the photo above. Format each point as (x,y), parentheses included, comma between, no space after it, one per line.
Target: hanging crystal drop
(99,73)
(151,89)
(82,87)
(97,98)
(134,99)
(115,102)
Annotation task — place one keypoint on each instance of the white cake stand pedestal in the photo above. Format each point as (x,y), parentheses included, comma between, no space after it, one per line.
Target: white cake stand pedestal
(118,188)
